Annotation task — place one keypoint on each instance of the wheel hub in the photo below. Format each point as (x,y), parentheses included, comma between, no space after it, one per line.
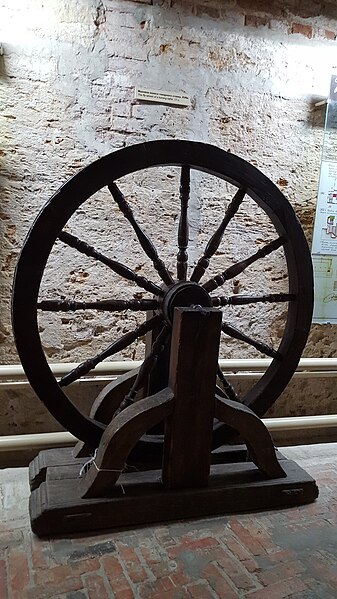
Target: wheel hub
(184,294)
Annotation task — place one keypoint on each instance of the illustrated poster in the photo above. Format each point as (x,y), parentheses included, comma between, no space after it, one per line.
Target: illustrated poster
(324,245)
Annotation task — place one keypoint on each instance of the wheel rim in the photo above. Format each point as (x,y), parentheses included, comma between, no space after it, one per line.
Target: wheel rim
(103,172)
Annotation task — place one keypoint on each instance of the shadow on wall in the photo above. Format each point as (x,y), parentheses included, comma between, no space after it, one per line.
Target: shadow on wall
(2,62)
(316,114)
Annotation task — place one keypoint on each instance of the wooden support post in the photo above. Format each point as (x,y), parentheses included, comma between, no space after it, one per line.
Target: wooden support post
(193,365)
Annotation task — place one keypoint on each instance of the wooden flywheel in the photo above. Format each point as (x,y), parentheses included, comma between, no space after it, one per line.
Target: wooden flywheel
(187,288)
(175,290)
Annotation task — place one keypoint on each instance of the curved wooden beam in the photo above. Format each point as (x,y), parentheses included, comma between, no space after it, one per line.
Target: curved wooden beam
(106,404)
(253,432)
(119,438)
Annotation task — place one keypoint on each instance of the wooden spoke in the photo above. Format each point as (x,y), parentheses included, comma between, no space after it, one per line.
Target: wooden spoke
(183,229)
(227,387)
(144,240)
(216,238)
(239,300)
(147,366)
(106,305)
(236,269)
(115,347)
(117,267)
(261,347)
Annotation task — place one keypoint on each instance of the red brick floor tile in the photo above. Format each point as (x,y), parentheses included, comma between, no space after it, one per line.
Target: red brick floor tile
(3,580)
(217,582)
(157,562)
(191,544)
(95,585)
(280,572)
(287,588)
(200,591)
(125,594)
(158,587)
(115,575)
(18,573)
(237,572)
(131,562)
(241,531)
(241,553)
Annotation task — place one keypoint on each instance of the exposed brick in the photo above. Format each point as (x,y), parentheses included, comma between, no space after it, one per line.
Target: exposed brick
(39,557)
(256,21)
(209,11)
(112,566)
(157,587)
(180,576)
(132,563)
(260,533)
(61,578)
(115,575)
(3,580)
(124,594)
(83,566)
(57,580)
(10,538)
(218,583)
(280,572)
(172,594)
(278,591)
(257,6)
(241,553)
(96,589)
(200,591)
(18,573)
(236,572)
(282,555)
(192,545)
(321,567)
(154,561)
(329,35)
(305,30)
(250,542)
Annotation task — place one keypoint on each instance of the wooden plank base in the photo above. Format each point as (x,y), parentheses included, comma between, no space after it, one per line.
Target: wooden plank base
(64,456)
(61,456)
(56,506)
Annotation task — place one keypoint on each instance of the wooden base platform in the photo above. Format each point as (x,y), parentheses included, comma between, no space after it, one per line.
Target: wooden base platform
(56,506)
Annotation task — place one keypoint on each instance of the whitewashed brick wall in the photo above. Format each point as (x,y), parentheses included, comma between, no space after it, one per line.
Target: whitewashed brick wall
(253,70)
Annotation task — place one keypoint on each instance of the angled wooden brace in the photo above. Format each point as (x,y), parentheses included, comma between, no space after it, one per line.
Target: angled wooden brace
(106,404)
(254,433)
(119,438)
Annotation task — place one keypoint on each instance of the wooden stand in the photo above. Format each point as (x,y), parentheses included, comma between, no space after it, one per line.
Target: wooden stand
(76,495)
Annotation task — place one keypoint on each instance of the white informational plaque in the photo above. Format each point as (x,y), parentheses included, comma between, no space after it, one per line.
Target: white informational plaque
(158,96)
(324,244)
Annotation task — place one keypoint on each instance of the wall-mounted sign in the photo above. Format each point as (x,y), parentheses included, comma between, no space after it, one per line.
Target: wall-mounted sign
(324,244)
(161,97)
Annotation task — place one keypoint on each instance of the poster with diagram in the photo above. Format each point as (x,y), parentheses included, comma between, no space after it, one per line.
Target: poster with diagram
(325,229)
(325,275)
(324,244)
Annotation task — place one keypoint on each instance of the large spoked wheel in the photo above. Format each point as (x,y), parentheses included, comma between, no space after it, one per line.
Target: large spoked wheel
(175,289)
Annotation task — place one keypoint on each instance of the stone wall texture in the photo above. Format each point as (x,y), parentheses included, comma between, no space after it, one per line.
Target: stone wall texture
(253,71)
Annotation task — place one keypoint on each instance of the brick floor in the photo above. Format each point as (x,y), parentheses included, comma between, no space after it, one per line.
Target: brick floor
(271,555)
